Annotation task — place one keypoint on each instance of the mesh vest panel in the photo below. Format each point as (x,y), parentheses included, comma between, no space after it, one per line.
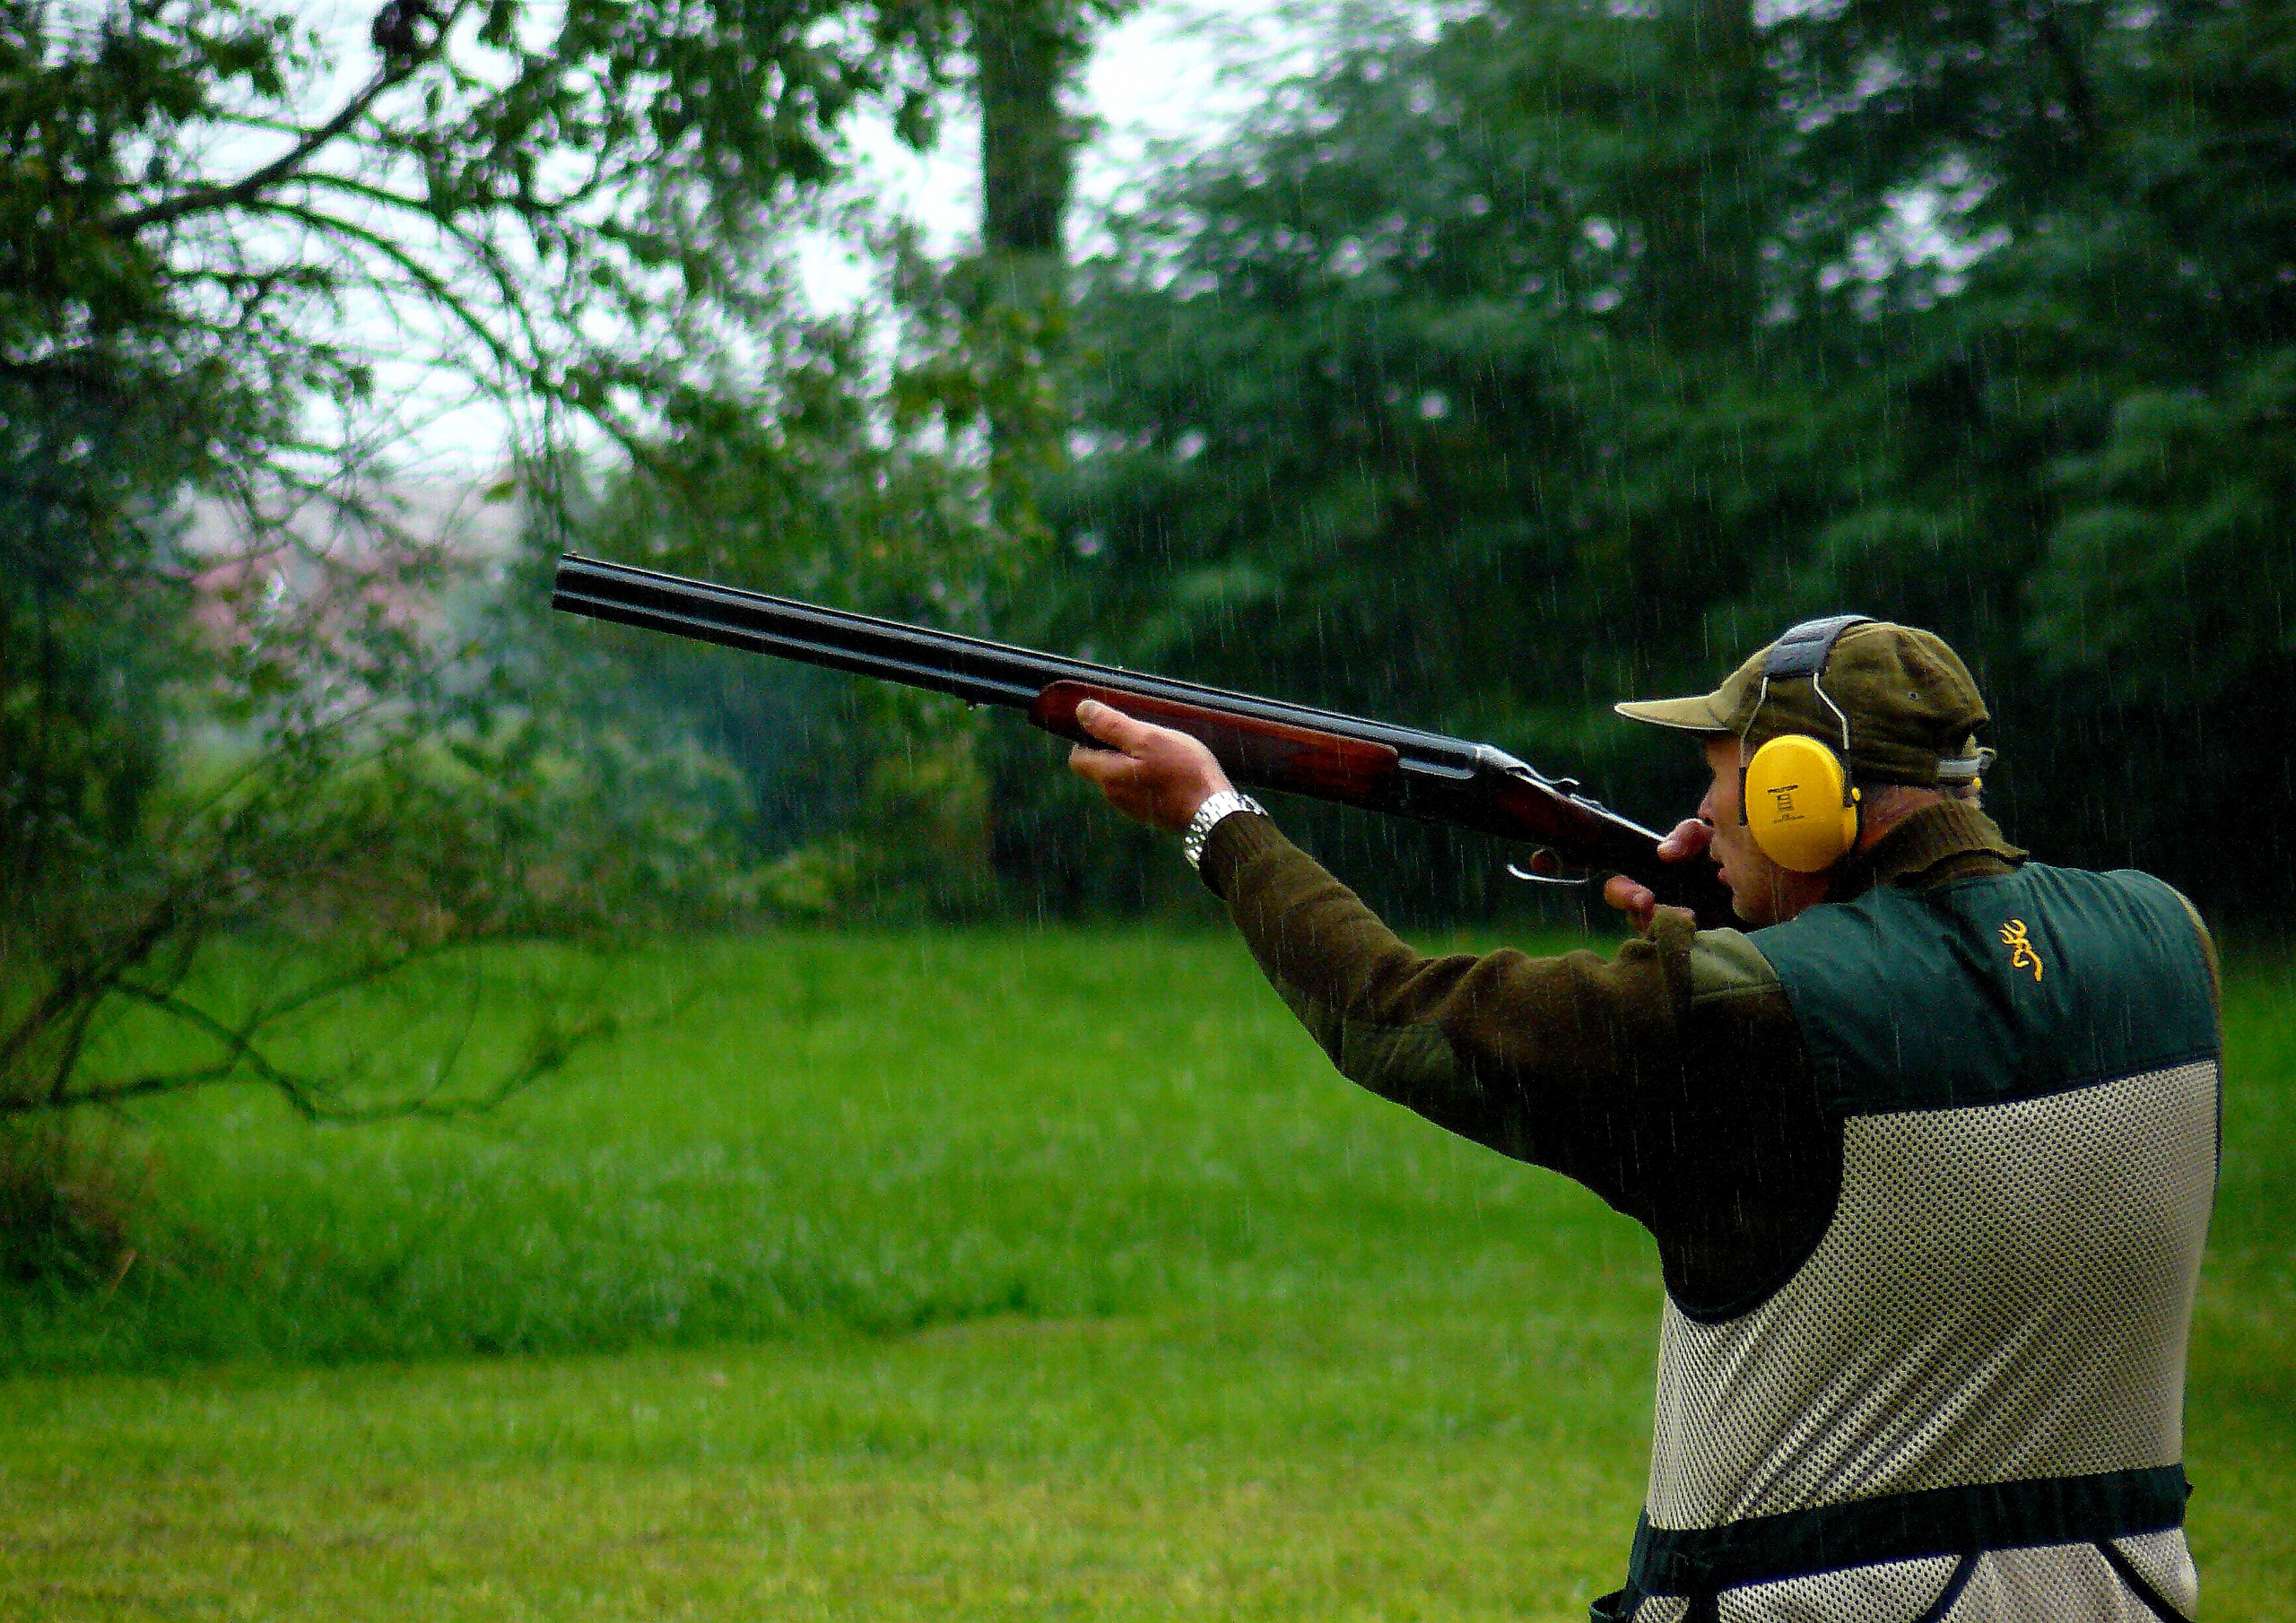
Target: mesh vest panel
(2004,1293)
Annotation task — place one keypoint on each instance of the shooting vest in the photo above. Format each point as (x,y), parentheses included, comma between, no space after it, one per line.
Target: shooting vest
(1967,1403)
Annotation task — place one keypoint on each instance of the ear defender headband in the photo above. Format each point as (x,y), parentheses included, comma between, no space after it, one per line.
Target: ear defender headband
(1795,794)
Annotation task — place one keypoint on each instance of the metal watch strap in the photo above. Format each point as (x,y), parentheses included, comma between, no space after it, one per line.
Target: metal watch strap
(1207,818)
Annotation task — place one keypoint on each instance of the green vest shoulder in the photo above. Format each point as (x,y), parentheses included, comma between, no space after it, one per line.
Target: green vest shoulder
(1998,988)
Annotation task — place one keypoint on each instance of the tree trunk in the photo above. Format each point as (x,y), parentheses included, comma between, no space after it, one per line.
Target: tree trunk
(1026,51)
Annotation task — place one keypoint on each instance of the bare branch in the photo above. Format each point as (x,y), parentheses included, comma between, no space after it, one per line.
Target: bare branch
(310,1097)
(366,974)
(76,1042)
(118,1093)
(2080,99)
(88,982)
(251,186)
(425,278)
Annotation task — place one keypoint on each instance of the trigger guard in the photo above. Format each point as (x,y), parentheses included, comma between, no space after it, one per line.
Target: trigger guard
(1548,879)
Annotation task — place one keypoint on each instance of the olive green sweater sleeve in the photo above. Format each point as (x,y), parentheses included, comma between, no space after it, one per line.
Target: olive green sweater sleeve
(1528,1055)
(1670,1079)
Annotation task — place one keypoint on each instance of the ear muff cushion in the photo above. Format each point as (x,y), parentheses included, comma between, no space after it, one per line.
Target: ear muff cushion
(1798,803)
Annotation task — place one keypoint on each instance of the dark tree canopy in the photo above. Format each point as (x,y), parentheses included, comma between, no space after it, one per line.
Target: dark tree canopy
(1572,352)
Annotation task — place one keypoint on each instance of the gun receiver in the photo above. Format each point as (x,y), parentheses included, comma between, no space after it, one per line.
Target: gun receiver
(1262,742)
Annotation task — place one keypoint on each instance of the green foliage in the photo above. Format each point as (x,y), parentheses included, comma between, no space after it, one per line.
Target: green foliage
(891,462)
(1567,354)
(2184,495)
(832,482)
(565,190)
(299,742)
(579,200)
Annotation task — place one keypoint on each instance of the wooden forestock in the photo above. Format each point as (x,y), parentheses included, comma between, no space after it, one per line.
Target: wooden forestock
(1264,754)
(1267,754)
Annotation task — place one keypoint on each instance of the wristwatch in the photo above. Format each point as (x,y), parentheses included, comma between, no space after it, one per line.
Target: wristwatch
(1207,818)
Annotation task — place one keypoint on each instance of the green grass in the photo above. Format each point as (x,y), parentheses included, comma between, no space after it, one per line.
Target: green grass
(881,1134)
(971,1275)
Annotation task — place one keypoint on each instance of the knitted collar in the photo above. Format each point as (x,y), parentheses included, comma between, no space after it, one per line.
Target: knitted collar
(1950,841)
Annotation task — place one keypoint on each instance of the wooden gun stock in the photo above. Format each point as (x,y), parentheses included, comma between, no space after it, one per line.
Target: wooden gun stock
(1263,754)
(1296,760)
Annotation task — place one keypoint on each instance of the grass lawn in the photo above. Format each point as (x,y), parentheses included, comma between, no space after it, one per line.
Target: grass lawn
(1016,1275)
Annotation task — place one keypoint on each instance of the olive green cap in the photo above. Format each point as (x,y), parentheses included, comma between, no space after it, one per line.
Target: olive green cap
(1910,703)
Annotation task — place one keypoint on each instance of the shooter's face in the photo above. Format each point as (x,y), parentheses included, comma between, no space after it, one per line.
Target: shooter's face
(1762,892)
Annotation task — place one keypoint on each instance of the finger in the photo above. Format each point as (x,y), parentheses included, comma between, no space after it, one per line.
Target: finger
(1099,766)
(1112,726)
(1629,897)
(1686,840)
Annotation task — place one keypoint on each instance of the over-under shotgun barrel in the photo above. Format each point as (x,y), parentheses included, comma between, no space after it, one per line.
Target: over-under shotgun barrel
(1260,741)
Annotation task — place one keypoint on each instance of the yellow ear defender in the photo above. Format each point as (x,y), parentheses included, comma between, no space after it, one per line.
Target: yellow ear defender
(1799,803)
(1794,794)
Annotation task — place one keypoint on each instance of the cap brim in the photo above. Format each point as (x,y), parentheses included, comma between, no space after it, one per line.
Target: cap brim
(1684,715)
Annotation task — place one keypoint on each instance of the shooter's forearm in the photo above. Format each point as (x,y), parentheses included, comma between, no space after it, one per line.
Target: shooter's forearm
(1545,1059)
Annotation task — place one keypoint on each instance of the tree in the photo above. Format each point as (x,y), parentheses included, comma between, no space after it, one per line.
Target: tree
(2069,397)
(1382,400)
(243,782)
(836,487)
(1570,350)
(844,490)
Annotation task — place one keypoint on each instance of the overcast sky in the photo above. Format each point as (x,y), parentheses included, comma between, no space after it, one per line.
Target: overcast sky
(1173,71)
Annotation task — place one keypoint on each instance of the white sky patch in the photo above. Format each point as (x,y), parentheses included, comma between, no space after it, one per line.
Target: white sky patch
(427,420)
(1926,231)
(1174,77)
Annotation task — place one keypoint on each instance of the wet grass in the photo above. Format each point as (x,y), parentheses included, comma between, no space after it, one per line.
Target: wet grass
(876,1134)
(979,1275)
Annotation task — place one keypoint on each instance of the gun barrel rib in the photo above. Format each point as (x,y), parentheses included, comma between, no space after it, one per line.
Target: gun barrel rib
(971,668)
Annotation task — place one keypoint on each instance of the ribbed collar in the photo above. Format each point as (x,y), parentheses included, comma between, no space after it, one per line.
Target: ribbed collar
(1938,844)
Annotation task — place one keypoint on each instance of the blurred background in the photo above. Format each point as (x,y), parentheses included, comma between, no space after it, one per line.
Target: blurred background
(1468,366)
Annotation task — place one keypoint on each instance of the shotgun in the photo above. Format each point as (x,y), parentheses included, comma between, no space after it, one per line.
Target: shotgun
(1261,742)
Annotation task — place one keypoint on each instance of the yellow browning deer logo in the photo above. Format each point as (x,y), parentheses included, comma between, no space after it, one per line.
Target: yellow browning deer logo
(2021,952)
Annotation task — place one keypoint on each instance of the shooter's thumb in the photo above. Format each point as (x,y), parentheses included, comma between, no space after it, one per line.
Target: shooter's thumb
(1104,722)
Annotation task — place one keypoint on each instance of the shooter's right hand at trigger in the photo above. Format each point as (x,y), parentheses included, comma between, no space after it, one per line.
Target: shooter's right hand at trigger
(1690,838)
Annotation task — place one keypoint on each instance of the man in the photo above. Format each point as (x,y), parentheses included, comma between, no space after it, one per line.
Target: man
(1928,1155)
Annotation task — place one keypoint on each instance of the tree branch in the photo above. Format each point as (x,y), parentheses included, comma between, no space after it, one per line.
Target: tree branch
(250,186)
(428,280)
(91,982)
(307,1095)
(2080,102)
(116,1093)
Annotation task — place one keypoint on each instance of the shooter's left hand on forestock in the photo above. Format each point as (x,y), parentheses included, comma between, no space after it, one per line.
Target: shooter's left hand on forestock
(1153,775)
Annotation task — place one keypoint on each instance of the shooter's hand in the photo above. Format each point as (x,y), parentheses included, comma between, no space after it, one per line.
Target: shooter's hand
(1690,838)
(1151,774)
